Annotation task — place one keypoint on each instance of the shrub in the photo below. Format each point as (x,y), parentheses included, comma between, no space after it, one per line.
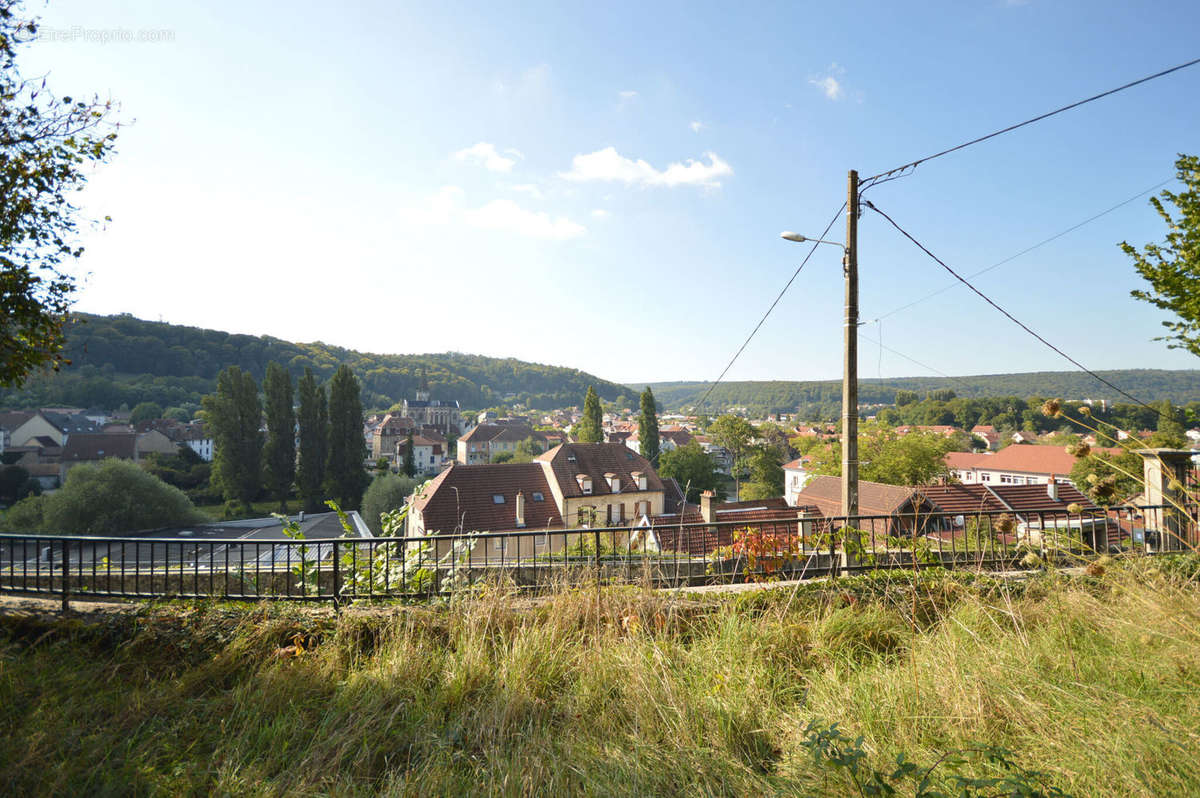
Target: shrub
(386,492)
(115,497)
(24,516)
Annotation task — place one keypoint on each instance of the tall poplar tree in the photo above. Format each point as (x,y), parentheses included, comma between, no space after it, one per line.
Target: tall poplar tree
(234,414)
(279,454)
(410,466)
(314,439)
(648,427)
(591,427)
(345,477)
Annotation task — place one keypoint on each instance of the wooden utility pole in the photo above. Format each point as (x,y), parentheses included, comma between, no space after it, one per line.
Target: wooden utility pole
(850,358)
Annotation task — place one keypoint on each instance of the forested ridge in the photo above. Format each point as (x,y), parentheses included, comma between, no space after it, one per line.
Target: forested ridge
(823,399)
(120,359)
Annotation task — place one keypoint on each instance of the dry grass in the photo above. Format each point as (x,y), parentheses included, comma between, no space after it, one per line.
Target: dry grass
(1091,679)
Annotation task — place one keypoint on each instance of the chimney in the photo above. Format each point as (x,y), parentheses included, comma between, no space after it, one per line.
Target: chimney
(1052,488)
(520,509)
(706,508)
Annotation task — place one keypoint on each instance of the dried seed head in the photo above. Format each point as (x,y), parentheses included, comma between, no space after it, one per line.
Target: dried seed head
(1052,408)
(1004,523)
(1074,508)
(1079,449)
(1084,410)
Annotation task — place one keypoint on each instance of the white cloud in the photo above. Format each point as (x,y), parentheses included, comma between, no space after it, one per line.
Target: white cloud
(829,84)
(508,216)
(446,207)
(627,95)
(528,188)
(697,126)
(600,213)
(485,154)
(609,165)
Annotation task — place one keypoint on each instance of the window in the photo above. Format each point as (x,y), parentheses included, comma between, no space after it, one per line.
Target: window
(540,540)
(497,498)
(538,497)
(985,477)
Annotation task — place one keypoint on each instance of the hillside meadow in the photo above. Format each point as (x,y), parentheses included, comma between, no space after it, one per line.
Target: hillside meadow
(1053,684)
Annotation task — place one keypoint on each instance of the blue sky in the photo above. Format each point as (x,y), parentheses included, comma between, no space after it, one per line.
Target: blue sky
(602,186)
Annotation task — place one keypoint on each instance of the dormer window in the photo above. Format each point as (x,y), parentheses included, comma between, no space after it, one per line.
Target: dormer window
(614,482)
(538,496)
(497,498)
(639,479)
(585,483)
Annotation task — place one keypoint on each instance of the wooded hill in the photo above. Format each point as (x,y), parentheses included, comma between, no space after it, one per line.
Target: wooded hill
(823,399)
(120,359)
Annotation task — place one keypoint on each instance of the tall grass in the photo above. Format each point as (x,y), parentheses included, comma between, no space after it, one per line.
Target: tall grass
(618,692)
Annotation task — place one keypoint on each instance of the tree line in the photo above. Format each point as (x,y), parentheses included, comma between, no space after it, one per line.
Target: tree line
(117,360)
(328,427)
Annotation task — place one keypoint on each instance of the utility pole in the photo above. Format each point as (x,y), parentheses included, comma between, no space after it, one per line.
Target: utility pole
(850,358)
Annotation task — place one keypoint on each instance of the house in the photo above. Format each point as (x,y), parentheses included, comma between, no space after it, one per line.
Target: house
(428,454)
(795,477)
(894,506)
(722,457)
(156,442)
(1034,508)
(485,441)
(572,486)
(1014,465)
(671,437)
(988,434)
(391,429)
(681,531)
(10,421)
(1022,436)
(92,447)
(56,426)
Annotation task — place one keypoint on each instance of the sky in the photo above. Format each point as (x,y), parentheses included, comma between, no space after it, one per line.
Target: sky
(602,186)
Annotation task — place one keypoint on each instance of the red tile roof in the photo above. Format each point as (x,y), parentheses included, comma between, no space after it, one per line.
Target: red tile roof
(1026,459)
(874,498)
(93,446)
(570,460)
(444,509)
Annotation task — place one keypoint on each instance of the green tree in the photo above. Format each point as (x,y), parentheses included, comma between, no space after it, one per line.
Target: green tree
(734,434)
(314,438)
(145,411)
(917,458)
(1172,268)
(1107,478)
(26,515)
(46,146)
(591,427)
(410,466)
(648,442)
(1171,432)
(692,468)
(504,457)
(766,475)
(345,477)
(279,453)
(526,450)
(906,398)
(234,415)
(113,498)
(385,493)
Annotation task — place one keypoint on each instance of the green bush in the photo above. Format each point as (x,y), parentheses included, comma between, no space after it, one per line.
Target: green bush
(113,498)
(24,516)
(385,493)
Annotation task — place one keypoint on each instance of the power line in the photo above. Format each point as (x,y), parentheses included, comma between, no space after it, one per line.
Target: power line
(783,291)
(899,171)
(1027,250)
(1008,315)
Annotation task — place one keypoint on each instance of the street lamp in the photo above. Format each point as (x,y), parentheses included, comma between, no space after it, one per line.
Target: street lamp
(788,235)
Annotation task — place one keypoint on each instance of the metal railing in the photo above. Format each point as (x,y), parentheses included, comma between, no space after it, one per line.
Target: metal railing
(725,551)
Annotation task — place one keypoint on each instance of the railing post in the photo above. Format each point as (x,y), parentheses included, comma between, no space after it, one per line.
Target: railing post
(66,572)
(337,573)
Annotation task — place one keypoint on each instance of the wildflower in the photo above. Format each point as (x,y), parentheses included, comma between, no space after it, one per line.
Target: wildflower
(1052,408)
(1079,449)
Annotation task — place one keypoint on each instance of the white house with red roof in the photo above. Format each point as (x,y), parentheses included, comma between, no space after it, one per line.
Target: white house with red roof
(1020,464)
